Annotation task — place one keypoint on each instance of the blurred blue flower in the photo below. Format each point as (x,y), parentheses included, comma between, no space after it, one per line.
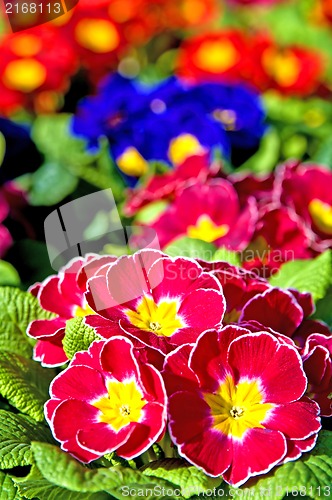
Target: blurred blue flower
(168,122)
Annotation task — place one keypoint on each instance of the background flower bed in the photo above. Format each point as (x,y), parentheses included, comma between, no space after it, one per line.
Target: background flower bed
(149,109)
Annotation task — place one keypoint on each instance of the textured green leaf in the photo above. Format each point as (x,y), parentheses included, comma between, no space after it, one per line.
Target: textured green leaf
(312,472)
(78,336)
(8,274)
(25,384)
(228,256)
(191,247)
(17,309)
(324,309)
(188,478)
(61,469)
(8,490)
(36,486)
(16,434)
(312,276)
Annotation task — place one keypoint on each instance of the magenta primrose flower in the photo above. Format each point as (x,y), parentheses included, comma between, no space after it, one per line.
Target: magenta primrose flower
(243,393)
(160,301)
(63,295)
(210,212)
(107,400)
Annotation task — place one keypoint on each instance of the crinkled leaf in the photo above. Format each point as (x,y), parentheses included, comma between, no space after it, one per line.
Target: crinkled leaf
(191,247)
(78,336)
(188,478)
(228,256)
(8,274)
(25,384)
(17,309)
(312,472)
(16,434)
(8,490)
(312,276)
(61,469)
(36,486)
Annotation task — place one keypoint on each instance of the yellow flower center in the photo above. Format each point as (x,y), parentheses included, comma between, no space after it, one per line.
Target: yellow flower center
(131,162)
(161,319)
(123,405)
(83,311)
(227,117)
(97,35)
(25,75)
(206,230)
(193,10)
(26,45)
(283,67)
(321,214)
(182,147)
(216,56)
(237,408)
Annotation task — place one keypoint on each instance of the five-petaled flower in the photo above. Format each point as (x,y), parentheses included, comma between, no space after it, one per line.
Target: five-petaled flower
(107,400)
(160,301)
(241,390)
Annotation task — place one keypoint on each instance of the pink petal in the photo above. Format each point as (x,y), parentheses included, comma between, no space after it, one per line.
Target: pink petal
(45,329)
(101,438)
(276,309)
(252,457)
(296,448)
(71,416)
(297,420)
(118,359)
(176,373)
(51,299)
(78,382)
(194,309)
(49,353)
(278,366)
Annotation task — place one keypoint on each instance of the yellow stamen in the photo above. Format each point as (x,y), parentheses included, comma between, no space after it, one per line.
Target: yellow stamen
(321,214)
(25,75)
(161,319)
(237,408)
(216,56)
(182,147)
(123,405)
(97,35)
(205,229)
(283,67)
(26,45)
(131,162)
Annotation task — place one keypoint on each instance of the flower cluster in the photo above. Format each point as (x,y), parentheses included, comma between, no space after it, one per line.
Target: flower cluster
(169,122)
(252,370)
(235,56)
(269,220)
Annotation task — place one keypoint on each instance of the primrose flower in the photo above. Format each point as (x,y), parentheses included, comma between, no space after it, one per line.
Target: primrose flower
(280,235)
(63,295)
(35,67)
(244,394)
(105,401)
(215,216)
(317,364)
(306,188)
(158,300)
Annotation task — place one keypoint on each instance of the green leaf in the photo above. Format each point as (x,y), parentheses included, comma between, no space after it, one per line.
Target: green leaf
(191,247)
(8,490)
(312,276)
(17,309)
(50,184)
(324,309)
(188,478)
(62,470)
(8,274)
(36,486)
(25,384)
(78,336)
(229,256)
(266,157)
(16,434)
(311,474)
